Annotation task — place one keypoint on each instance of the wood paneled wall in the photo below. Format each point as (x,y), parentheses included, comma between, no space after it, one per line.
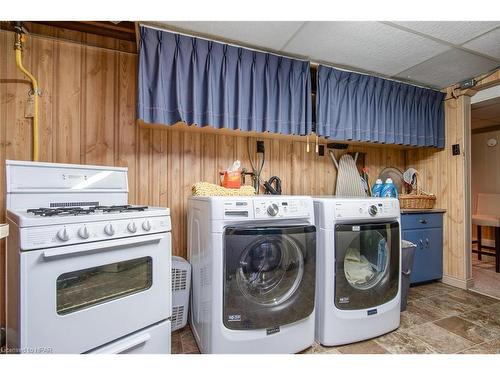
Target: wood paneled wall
(447,176)
(88,116)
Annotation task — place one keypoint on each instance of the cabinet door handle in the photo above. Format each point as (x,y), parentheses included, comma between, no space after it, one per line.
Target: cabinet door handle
(421,244)
(427,242)
(422,221)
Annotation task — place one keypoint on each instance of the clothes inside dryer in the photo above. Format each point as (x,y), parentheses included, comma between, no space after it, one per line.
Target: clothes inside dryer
(366,264)
(358,270)
(363,266)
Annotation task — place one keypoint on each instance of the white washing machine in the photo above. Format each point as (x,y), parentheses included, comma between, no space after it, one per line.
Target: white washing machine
(358,271)
(253,265)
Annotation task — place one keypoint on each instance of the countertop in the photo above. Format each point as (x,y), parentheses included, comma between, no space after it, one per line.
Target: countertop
(422,210)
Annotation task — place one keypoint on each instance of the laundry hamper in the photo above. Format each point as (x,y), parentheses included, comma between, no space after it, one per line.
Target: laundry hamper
(181,283)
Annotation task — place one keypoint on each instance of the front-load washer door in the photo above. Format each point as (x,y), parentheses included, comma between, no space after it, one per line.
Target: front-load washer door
(269,276)
(366,264)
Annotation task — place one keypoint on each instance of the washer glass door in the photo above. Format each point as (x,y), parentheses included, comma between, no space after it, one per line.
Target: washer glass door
(268,270)
(366,264)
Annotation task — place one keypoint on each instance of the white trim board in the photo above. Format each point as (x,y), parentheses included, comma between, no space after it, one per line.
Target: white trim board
(472,289)
(486,94)
(458,283)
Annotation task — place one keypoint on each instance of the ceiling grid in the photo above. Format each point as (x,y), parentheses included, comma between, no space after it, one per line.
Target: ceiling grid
(428,53)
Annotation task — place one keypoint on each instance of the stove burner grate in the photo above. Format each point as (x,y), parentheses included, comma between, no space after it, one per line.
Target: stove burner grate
(74,211)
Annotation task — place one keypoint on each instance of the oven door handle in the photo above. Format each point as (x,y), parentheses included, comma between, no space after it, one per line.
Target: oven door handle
(128,344)
(92,247)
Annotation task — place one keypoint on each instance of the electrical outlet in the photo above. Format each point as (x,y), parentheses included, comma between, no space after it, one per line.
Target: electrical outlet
(455,149)
(321,150)
(260,147)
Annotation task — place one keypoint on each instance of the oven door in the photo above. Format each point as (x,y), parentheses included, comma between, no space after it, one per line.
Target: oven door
(76,298)
(366,264)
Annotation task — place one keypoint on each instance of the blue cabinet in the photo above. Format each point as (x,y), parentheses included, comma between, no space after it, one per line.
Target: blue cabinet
(425,229)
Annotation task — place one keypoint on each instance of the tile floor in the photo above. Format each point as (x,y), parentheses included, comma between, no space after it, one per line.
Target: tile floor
(485,279)
(439,319)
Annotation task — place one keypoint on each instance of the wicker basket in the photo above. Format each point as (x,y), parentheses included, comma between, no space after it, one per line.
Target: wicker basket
(417,201)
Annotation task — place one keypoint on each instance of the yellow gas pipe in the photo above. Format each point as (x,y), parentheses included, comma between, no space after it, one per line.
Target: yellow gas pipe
(18,45)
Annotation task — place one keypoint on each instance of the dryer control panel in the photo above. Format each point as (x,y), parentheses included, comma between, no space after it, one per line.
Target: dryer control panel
(367,209)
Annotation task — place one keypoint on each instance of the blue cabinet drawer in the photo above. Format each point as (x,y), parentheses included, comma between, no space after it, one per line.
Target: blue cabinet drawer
(421,220)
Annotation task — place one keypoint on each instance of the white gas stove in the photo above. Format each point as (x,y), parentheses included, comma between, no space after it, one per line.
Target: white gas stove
(86,271)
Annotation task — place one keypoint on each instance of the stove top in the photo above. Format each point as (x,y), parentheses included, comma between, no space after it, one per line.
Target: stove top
(75,211)
(82,214)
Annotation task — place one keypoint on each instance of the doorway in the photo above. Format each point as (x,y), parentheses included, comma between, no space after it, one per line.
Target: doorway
(485,190)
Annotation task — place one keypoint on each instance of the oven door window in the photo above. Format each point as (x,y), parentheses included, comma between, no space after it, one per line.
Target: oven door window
(81,289)
(366,264)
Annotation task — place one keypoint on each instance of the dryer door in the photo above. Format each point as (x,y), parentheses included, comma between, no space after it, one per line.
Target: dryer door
(269,276)
(366,264)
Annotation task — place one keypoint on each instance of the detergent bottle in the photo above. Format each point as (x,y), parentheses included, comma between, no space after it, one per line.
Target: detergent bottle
(389,190)
(377,188)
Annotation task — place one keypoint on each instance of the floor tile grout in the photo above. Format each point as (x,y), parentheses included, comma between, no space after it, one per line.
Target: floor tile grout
(400,343)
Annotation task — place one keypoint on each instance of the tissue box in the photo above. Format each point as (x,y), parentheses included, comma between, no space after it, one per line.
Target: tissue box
(231,180)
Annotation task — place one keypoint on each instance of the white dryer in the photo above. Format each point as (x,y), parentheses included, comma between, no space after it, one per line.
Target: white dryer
(253,265)
(358,269)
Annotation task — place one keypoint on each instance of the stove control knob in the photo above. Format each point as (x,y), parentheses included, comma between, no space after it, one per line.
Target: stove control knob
(372,210)
(109,230)
(146,226)
(273,209)
(83,232)
(63,235)
(131,227)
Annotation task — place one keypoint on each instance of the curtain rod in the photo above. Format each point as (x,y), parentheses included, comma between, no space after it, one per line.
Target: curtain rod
(315,64)
(311,62)
(173,30)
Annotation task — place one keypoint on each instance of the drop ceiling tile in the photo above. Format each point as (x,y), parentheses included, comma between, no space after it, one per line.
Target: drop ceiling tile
(456,32)
(265,34)
(489,44)
(448,68)
(371,46)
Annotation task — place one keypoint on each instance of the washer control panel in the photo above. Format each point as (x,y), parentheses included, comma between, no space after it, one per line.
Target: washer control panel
(370,208)
(280,208)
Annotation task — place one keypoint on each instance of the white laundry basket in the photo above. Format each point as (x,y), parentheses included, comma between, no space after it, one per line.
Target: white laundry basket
(181,283)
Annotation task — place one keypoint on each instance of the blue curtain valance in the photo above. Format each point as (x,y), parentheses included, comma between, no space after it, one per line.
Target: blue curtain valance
(352,106)
(202,82)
